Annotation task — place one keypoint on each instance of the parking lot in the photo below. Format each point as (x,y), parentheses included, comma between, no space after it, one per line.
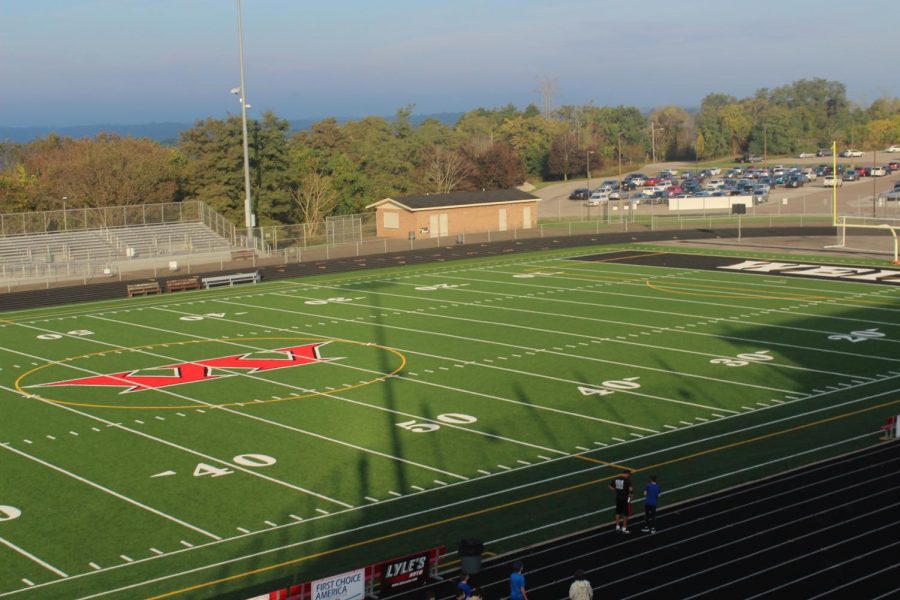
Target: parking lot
(854,197)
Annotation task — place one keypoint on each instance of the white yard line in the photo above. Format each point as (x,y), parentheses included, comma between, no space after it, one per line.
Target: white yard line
(32,557)
(243,345)
(503,492)
(604,321)
(106,490)
(421,331)
(243,415)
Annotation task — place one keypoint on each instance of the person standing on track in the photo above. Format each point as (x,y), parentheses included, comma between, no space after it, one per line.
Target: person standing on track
(651,500)
(621,485)
(581,588)
(517,582)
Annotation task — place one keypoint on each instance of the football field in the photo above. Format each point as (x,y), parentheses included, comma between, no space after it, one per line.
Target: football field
(206,443)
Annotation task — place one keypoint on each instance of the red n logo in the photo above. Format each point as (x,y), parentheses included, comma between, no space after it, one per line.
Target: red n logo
(202,370)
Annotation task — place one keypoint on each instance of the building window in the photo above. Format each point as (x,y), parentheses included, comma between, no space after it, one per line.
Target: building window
(391,220)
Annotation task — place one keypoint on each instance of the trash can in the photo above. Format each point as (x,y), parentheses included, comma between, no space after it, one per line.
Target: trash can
(470,555)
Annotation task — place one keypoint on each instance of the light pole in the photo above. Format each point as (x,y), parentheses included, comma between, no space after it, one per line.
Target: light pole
(619,152)
(874,193)
(766,145)
(587,166)
(653,130)
(249,220)
(65,200)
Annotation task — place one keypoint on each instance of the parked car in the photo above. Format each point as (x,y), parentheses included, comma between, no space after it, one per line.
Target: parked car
(806,155)
(850,153)
(794,181)
(894,194)
(580,194)
(823,152)
(850,175)
(832,181)
(863,171)
(713,171)
(810,173)
(893,166)
(894,148)
(877,171)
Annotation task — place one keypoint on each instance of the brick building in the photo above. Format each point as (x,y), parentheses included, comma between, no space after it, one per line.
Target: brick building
(440,215)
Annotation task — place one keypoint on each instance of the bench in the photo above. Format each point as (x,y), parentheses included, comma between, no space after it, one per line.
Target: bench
(243,254)
(252,277)
(180,285)
(143,289)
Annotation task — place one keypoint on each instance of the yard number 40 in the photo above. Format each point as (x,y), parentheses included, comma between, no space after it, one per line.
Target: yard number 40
(8,513)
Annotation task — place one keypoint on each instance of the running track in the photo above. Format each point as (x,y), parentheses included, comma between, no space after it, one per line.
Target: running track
(830,530)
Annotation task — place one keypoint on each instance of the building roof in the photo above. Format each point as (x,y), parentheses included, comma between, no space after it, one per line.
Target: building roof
(456,199)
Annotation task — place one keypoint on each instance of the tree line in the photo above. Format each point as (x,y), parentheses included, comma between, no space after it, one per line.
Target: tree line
(339,168)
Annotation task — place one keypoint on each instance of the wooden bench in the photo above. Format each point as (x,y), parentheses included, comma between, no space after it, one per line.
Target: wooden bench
(231,279)
(143,289)
(243,254)
(180,285)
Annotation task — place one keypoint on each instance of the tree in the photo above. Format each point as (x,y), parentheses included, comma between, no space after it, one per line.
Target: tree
(675,125)
(736,124)
(497,167)
(105,171)
(314,199)
(565,155)
(700,146)
(445,169)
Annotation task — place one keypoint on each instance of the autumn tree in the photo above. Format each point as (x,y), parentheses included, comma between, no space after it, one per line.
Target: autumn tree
(497,167)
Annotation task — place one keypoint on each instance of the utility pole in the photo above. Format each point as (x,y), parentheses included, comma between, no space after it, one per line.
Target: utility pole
(653,141)
(766,145)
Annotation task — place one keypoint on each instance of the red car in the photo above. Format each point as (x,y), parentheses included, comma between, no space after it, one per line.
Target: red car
(863,171)
(650,181)
(893,166)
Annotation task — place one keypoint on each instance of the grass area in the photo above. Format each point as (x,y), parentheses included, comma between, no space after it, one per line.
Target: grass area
(204,444)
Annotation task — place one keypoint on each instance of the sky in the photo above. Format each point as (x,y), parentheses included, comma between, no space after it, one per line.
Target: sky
(83,62)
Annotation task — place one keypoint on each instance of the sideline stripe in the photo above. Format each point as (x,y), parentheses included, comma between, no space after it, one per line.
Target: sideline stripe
(495,508)
(31,556)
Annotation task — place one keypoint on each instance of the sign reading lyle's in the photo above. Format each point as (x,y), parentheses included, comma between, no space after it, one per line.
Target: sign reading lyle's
(825,271)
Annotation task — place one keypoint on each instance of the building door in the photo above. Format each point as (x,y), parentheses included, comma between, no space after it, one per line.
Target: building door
(445,227)
(433,226)
(502,214)
(526,217)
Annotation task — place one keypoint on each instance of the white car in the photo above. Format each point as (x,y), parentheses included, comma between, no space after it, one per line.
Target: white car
(877,172)
(894,148)
(849,153)
(832,181)
(810,173)
(806,155)
(714,171)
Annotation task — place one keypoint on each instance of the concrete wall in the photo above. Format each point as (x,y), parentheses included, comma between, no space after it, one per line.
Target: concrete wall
(463,219)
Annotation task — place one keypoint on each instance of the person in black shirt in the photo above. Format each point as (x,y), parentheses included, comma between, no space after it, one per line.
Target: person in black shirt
(621,485)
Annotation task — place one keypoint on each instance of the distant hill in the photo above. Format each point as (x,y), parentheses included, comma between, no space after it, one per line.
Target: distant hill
(167,133)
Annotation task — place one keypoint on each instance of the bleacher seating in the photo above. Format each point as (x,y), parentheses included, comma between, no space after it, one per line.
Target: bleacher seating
(82,253)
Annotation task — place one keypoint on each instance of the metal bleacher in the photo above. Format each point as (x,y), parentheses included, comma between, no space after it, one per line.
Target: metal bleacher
(87,250)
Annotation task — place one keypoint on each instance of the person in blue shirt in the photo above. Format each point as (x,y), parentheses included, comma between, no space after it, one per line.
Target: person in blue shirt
(651,500)
(517,582)
(464,587)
